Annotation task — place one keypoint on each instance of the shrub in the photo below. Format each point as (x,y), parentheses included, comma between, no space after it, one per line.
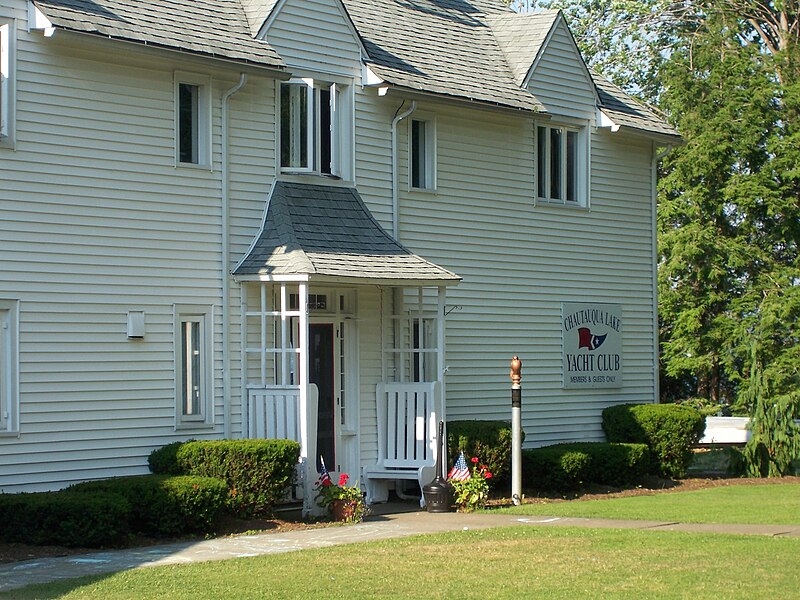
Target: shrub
(165,505)
(490,441)
(669,430)
(567,466)
(164,461)
(256,471)
(64,519)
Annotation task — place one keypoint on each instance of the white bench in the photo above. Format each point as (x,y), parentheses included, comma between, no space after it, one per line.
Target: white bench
(726,430)
(408,414)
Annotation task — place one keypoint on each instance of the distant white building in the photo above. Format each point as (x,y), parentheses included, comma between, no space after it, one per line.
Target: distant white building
(272,218)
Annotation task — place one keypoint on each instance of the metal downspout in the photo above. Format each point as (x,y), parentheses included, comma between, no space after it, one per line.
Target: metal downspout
(395,170)
(226,367)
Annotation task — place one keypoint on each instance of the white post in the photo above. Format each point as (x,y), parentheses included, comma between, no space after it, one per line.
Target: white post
(309,462)
(441,367)
(516,430)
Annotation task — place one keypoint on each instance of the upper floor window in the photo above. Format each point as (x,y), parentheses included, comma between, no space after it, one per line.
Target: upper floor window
(422,154)
(561,164)
(9,367)
(7,65)
(315,128)
(192,119)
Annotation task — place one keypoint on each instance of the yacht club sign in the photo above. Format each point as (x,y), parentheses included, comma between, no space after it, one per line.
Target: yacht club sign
(592,345)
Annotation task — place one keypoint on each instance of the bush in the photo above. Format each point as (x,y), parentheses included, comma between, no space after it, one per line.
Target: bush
(669,430)
(490,441)
(164,505)
(568,466)
(164,461)
(256,471)
(64,519)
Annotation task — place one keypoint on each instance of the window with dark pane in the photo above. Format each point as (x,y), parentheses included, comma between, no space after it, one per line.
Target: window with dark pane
(188,123)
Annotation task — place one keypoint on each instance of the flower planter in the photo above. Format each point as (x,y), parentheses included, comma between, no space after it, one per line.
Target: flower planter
(344,510)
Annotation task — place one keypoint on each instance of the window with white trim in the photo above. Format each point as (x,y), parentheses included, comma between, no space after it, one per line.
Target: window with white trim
(194,397)
(7,81)
(561,164)
(9,367)
(192,119)
(315,127)
(422,154)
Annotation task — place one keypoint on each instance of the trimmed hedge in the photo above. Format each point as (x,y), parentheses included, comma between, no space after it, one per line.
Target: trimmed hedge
(490,441)
(64,519)
(669,430)
(162,505)
(568,466)
(164,461)
(257,471)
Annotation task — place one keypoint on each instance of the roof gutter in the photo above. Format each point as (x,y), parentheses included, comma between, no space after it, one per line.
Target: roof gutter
(226,275)
(276,72)
(396,170)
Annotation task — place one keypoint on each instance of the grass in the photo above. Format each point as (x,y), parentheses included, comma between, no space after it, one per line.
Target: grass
(770,503)
(500,563)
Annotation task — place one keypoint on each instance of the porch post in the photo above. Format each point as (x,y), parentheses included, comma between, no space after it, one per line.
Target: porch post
(308,462)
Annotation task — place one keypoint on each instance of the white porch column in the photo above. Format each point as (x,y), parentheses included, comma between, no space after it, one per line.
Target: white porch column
(441,365)
(308,462)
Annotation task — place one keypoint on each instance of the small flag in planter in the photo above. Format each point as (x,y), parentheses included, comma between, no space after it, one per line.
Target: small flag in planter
(324,476)
(460,471)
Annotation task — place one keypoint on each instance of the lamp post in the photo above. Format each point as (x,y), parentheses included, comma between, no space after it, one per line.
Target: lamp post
(516,430)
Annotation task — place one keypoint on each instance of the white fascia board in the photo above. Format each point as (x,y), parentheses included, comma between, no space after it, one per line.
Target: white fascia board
(368,77)
(605,121)
(302,277)
(37,21)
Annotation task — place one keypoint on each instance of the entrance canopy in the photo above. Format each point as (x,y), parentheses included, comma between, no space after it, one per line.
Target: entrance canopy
(327,232)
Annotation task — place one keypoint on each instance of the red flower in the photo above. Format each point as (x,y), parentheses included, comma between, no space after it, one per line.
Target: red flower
(488,475)
(475,459)
(483,467)
(343,478)
(326,483)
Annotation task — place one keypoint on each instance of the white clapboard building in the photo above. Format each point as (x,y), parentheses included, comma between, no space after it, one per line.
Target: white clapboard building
(329,220)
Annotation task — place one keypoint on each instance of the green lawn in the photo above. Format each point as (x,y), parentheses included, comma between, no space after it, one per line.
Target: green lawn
(518,562)
(769,503)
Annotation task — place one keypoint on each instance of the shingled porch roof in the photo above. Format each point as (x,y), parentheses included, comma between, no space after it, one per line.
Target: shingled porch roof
(327,232)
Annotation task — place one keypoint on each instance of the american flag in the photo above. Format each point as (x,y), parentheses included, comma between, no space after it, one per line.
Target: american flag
(459,472)
(324,476)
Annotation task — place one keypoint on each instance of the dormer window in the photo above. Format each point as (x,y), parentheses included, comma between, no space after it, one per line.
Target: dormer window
(315,128)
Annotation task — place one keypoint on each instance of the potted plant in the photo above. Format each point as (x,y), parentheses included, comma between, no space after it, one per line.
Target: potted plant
(470,486)
(345,503)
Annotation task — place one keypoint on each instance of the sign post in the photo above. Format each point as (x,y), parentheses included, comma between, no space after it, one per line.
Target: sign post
(516,430)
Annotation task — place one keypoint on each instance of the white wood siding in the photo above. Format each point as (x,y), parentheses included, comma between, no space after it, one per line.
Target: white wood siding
(559,80)
(314,35)
(520,261)
(97,221)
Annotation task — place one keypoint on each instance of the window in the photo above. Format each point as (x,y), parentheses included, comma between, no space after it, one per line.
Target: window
(9,367)
(193,360)
(315,128)
(192,119)
(560,165)
(422,154)
(7,82)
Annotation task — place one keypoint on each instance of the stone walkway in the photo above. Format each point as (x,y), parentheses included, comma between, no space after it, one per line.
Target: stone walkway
(377,527)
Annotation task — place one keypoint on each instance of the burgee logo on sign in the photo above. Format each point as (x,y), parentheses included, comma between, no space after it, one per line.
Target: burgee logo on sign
(592,345)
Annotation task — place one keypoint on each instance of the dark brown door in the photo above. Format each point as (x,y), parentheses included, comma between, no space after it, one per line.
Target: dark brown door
(320,372)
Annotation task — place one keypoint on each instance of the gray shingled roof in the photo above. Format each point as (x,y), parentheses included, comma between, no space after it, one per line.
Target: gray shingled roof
(521,37)
(327,230)
(627,112)
(215,28)
(439,46)
(257,12)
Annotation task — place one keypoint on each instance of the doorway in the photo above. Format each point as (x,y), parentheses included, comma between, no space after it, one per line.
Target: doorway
(322,372)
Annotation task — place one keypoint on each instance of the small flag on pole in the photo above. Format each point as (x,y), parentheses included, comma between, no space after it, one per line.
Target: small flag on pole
(460,471)
(324,476)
